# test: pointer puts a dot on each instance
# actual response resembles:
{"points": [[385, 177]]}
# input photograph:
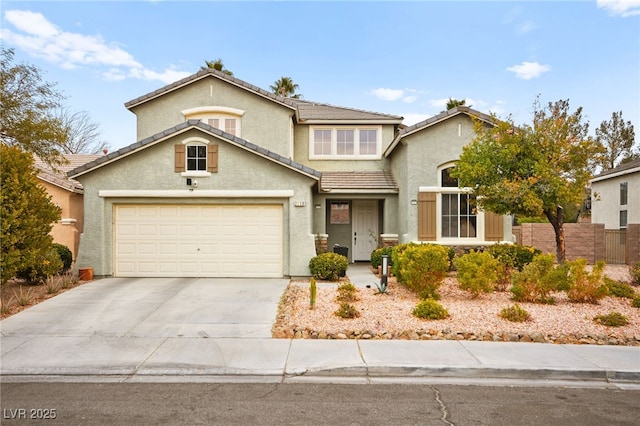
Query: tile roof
{"points": [[184, 126], [621, 169], [359, 181], [305, 110], [58, 177]]}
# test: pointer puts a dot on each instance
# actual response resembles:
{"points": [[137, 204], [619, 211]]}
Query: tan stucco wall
{"points": [[66, 231]]}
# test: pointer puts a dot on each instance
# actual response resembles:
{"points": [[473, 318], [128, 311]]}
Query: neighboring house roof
{"points": [[358, 181], [305, 111], [623, 169], [431, 121], [58, 177], [182, 127]]}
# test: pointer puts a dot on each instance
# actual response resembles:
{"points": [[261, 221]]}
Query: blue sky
{"points": [[404, 58]]}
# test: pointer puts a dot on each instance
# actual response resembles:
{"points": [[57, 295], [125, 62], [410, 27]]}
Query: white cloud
{"points": [[409, 99], [529, 70], [413, 118], [41, 38], [388, 94], [624, 8]]}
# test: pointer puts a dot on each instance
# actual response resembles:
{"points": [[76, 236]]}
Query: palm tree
{"points": [[286, 88], [452, 103], [217, 65]]}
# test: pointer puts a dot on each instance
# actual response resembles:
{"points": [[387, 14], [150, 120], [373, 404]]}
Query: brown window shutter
{"points": [[427, 215], [179, 158], [493, 226], [212, 158]]}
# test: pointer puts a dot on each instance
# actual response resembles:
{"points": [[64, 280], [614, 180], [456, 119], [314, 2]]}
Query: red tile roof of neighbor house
{"points": [[59, 177], [358, 181]]}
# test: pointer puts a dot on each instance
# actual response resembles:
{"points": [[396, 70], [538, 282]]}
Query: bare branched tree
{"points": [[82, 134]]}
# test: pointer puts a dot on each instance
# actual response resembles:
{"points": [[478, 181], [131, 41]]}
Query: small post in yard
{"points": [[384, 273]]}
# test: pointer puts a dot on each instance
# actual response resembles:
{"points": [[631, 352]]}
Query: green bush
{"points": [[65, 255], [636, 301], [396, 253], [584, 286], [347, 292], [634, 271], [44, 266], [328, 266], [477, 272], [376, 256], [513, 255], [537, 280], [613, 319], [619, 288], [430, 309], [423, 268], [347, 311], [515, 313]]}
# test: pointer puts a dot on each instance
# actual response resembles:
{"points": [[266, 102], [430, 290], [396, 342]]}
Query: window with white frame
{"points": [[223, 118], [346, 142], [196, 157], [458, 216]]}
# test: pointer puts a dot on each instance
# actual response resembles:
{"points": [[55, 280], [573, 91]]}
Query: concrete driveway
{"points": [[156, 307]]}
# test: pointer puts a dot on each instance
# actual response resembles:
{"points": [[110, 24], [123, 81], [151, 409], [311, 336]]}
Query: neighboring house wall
{"points": [[263, 121], [67, 230], [606, 203]]}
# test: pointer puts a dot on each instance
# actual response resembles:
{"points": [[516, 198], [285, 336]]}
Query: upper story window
{"points": [[223, 118], [345, 142], [624, 188]]}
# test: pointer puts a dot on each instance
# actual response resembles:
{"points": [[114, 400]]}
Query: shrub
{"points": [[396, 252], [328, 266], [44, 266], [477, 272], [514, 255], [634, 271], [430, 309], [65, 256], [636, 301], [619, 288], [347, 311], [586, 287], [515, 314], [376, 256], [347, 292], [614, 319], [423, 268], [537, 280]]}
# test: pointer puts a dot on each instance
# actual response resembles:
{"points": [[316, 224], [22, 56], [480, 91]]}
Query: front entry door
{"points": [[365, 229]]}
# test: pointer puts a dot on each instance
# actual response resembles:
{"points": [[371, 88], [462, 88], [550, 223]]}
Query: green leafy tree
{"points": [[531, 170], [27, 214], [217, 65], [617, 138], [28, 110], [286, 88]]}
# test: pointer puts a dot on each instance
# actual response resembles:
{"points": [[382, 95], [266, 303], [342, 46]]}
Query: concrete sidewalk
{"points": [[173, 330]]}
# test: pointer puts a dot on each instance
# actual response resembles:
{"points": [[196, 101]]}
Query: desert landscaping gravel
{"points": [[389, 316]]}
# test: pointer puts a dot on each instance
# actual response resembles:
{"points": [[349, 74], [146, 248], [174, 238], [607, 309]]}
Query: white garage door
{"points": [[198, 241]]}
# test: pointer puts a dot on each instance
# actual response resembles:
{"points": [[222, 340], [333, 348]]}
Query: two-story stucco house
{"points": [[229, 180], [615, 196]]}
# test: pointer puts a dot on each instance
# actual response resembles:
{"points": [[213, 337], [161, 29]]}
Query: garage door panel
{"points": [[207, 241]]}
